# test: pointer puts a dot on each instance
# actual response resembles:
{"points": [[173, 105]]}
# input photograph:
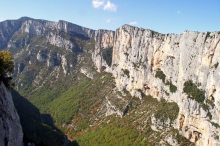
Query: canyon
{"points": [[143, 63]]}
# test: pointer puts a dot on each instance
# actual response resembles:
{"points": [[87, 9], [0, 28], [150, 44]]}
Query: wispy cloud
{"points": [[178, 12], [105, 5], [108, 21], [133, 23], [110, 6], [97, 3]]}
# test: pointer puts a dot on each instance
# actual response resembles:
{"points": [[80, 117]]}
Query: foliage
{"points": [[126, 72], [215, 124], [167, 94], [167, 110], [6, 62], [210, 102], [160, 75], [123, 131], [208, 34], [107, 55], [82, 96], [204, 106], [173, 88], [216, 65], [193, 92], [112, 134]]}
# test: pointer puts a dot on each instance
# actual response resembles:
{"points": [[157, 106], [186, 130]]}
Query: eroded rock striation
{"points": [[10, 128]]}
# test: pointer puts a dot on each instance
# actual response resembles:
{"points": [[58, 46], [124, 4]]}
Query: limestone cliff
{"points": [[139, 53], [10, 128]]}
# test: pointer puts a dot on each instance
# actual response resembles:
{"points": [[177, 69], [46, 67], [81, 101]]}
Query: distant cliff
{"points": [[10, 128], [169, 66]]}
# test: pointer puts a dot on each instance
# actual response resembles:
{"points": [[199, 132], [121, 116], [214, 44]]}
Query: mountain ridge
{"points": [[143, 62]]}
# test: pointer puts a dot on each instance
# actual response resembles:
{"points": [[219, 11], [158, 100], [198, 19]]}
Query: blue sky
{"points": [[164, 16]]}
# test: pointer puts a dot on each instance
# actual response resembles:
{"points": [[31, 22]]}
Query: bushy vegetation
{"points": [[172, 87], [204, 106], [6, 66], [123, 131], [77, 97], [210, 102], [160, 75], [167, 110], [193, 91], [126, 72], [216, 65], [6, 62], [110, 134], [107, 55]]}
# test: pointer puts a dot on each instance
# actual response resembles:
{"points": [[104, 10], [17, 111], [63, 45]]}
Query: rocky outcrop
{"points": [[6, 34], [139, 53], [49, 29], [10, 128], [86, 72]]}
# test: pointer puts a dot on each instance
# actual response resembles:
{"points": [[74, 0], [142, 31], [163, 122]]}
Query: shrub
{"points": [[160, 75], [215, 124], [216, 65], [6, 66], [209, 102], [193, 92], [126, 72], [167, 110], [6, 62], [173, 88], [204, 106]]}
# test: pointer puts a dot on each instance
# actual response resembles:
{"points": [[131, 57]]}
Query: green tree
{"points": [[6, 62]]}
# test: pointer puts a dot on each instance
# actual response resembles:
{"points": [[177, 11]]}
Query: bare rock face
{"points": [[10, 128], [139, 53], [86, 72], [104, 39]]}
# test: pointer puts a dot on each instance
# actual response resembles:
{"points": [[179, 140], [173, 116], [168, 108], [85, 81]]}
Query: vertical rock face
{"points": [[104, 39], [138, 54], [10, 128]]}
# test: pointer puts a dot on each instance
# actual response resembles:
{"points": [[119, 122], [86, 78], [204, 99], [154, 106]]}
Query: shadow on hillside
{"points": [[48, 120], [73, 143], [42, 134]]}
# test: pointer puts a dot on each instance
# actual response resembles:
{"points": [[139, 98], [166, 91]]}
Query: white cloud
{"points": [[108, 21], [133, 23], [105, 5], [110, 6], [178, 12], [97, 3]]}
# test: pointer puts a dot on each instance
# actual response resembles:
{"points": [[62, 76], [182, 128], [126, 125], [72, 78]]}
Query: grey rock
{"points": [[10, 128]]}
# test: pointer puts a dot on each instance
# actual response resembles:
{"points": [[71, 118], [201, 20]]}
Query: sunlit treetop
{"points": [[6, 62]]}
